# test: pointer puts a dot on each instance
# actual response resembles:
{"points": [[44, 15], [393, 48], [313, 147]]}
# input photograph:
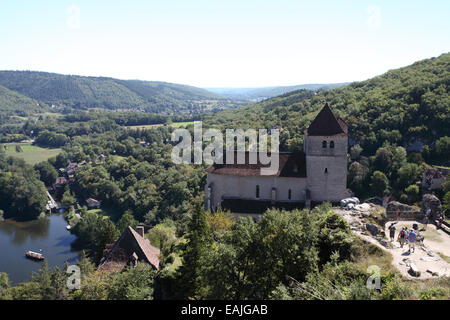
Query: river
{"points": [[48, 234]]}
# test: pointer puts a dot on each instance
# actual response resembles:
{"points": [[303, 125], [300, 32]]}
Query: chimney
{"points": [[140, 230]]}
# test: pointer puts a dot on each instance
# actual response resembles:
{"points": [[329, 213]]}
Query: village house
{"points": [[130, 248], [93, 203], [72, 167], [432, 179], [60, 182], [315, 174]]}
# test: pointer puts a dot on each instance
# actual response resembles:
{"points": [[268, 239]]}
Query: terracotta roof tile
{"points": [[291, 164], [92, 201], [434, 174], [60, 180], [128, 245]]}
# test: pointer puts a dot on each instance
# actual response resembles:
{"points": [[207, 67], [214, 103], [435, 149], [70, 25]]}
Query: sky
{"points": [[231, 43]]}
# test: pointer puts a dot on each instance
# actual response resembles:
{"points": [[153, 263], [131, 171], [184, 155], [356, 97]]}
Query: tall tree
{"points": [[47, 172], [199, 239], [379, 184], [107, 233]]}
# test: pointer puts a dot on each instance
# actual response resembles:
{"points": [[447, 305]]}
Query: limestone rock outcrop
{"points": [[405, 211], [432, 202]]}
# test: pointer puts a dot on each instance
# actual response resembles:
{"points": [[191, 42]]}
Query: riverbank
{"points": [[47, 235]]}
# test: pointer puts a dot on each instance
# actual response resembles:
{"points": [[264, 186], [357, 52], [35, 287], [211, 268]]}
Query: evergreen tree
{"points": [[85, 265], [43, 279], [58, 280], [199, 239], [125, 221], [107, 234], [380, 183], [4, 283]]}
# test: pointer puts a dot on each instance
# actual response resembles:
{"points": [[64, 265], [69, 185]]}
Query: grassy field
{"points": [[145, 126], [152, 126], [31, 154], [181, 124], [117, 158]]}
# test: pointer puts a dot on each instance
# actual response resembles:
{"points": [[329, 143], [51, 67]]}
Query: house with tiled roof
{"points": [[93, 203], [433, 178], [71, 168], [60, 182], [315, 174], [131, 248]]}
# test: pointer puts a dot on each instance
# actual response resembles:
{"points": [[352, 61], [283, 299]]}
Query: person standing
{"points": [[425, 222], [392, 231], [412, 240], [440, 219], [402, 237]]}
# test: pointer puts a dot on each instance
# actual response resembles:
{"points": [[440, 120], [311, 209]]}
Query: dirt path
{"points": [[432, 255], [431, 259]]}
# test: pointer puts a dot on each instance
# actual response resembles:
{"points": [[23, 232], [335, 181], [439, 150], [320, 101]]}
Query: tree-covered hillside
{"points": [[109, 93], [401, 106], [14, 101]]}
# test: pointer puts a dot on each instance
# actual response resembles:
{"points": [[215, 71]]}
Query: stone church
{"points": [[316, 174]]}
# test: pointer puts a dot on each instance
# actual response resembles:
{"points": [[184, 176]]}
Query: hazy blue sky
{"points": [[244, 43]]}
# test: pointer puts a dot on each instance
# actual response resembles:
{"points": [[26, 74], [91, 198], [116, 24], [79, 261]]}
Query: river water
{"points": [[47, 236]]}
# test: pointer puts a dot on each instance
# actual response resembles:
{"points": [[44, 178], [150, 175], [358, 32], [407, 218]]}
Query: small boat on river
{"points": [[34, 255]]}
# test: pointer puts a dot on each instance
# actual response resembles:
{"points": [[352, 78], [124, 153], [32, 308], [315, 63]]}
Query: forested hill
{"points": [[109, 93], [402, 105], [259, 94], [14, 101]]}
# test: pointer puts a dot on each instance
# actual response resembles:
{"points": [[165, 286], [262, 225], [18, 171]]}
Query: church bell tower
{"points": [[325, 147]]}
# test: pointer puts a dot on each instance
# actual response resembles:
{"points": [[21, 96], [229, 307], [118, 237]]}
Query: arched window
{"points": [[332, 144], [257, 191], [326, 170], [289, 194], [324, 144]]}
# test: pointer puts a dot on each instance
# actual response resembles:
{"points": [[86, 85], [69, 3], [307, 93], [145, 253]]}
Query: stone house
{"points": [[432, 179], [60, 182], [130, 248], [315, 174], [71, 168], [93, 203]]}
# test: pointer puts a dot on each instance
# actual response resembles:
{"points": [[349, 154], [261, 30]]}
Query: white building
{"points": [[316, 174]]}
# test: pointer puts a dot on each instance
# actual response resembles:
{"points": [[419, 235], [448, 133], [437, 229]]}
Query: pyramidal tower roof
{"points": [[326, 124]]}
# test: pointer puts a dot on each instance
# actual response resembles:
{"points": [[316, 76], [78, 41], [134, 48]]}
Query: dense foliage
{"points": [[22, 194], [14, 103], [286, 255]]}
